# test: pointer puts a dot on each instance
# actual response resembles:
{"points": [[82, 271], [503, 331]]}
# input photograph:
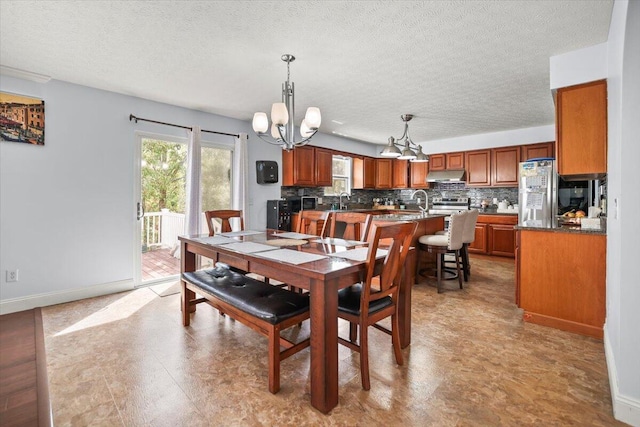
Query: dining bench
{"points": [[264, 308]]}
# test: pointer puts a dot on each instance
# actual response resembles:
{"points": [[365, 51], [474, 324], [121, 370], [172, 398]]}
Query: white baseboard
{"points": [[42, 300], [625, 409]]}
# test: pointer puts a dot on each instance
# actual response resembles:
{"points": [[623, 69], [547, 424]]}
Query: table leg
{"points": [[324, 345], [404, 298], [187, 263]]}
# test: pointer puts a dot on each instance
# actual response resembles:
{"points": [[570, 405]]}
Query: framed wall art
{"points": [[21, 119]]}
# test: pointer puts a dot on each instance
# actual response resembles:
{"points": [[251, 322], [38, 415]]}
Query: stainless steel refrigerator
{"points": [[537, 195]]}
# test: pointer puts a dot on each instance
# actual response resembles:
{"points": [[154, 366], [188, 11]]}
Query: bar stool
{"points": [[448, 243], [468, 236]]}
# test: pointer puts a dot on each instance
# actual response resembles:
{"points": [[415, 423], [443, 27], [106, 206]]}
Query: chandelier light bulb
{"points": [[274, 132], [279, 114], [304, 129], [313, 118], [260, 122]]}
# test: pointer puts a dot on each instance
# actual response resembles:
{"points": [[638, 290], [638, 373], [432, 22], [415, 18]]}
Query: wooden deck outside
{"points": [[159, 263]]}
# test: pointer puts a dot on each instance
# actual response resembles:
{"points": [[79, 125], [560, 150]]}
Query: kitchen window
{"points": [[341, 172]]}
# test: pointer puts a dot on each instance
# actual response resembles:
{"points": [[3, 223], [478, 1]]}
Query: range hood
{"points": [[446, 176]]}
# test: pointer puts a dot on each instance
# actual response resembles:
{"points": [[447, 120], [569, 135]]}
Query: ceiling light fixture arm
{"points": [[403, 147], [282, 117]]}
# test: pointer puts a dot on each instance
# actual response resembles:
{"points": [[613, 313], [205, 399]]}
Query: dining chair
{"points": [[376, 298], [441, 244], [309, 221], [357, 225], [224, 216]]}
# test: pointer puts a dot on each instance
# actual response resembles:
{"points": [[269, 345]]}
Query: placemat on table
{"points": [[286, 242]]}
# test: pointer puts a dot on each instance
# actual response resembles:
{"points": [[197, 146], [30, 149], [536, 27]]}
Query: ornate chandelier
{"points": [[282, 114], [392, 150]]}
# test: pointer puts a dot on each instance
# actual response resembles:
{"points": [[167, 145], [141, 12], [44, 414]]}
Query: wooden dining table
{"points": [[322, 278]]}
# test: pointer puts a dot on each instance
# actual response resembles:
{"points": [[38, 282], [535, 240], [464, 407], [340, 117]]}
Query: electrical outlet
{"points": [[12, 275], [319, 200]]}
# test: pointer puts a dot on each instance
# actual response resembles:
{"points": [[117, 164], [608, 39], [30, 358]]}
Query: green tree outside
{"points": [[164, 172]]}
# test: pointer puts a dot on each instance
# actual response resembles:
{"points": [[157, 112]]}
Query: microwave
{"points": [[302, 203]]}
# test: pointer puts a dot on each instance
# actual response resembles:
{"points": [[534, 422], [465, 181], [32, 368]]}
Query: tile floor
{"points": [[126, 360]]}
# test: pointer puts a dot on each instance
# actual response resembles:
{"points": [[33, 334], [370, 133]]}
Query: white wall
{"points": [[622, 339], [494, 139], [579, 66]]}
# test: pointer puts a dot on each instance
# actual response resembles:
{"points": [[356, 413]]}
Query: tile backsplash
{"points": [[364, 198]]}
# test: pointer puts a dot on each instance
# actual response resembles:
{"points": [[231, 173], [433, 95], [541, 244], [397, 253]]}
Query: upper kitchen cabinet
{"points": [[418, 174], [384, 173], [455, 161], [306, 167], [364, 172], [400, 170], [437, 162], [536, 151], [478, 168], [323, 167], [441, 162], [504, 166], [581, 126]]}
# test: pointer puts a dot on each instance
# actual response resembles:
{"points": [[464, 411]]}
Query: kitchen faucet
{"points": [[342, 205], [426, 201]]}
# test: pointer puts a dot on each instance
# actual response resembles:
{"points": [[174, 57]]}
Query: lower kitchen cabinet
{"points": [[561, 279], [495, 235], [479, 244]]}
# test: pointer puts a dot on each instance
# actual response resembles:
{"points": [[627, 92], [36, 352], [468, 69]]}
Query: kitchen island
{"points": [[560, 278]]}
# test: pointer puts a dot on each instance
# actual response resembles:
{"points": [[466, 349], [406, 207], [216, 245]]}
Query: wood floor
{"points": [[126, 360], [159, 263], [24, 398]]}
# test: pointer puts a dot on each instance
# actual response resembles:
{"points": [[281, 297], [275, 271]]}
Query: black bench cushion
{"points": [[349, 301], [259, 299]]}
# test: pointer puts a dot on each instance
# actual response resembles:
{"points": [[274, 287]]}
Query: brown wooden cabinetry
{"points": [[323, 167], [307, 166], [364, 172], [479, 244], [581, 126], [418, 174], [297, 167], [504, 166], [384, 177], [502, 240], [495, 235], [536, 151], [400, 177], [478, 168], [438, 162], [561, 280], [455, 160]]}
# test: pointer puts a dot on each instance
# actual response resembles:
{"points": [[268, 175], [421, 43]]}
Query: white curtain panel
{"points": [[193, 201], [240, 174]]}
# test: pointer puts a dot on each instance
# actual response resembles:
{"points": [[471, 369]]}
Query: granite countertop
{"points": [[496, 211], [566, 229], [406, 216]]}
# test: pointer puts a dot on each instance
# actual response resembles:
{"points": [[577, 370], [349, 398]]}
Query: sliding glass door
{"points": [[161, 172]]}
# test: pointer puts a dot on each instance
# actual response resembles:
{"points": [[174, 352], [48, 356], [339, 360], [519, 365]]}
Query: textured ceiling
{"points": [[461, 67]]}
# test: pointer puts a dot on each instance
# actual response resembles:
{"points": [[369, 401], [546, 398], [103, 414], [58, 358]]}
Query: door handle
{"points": [[140, 213]]}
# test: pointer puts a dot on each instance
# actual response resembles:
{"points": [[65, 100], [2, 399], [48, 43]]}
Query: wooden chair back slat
{"points": [[224, 216], [357, 225]]}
